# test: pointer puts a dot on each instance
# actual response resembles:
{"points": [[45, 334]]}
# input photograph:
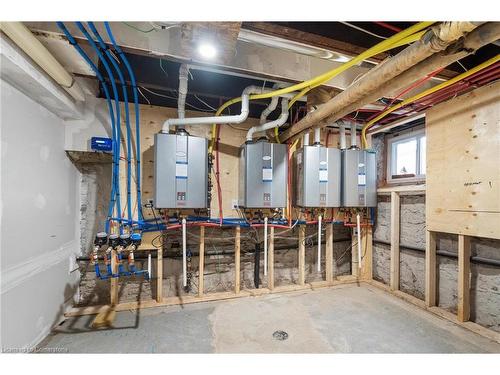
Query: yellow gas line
{"points": [[425, 93]]}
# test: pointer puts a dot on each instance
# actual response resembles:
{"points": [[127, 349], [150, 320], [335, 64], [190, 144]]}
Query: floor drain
{"points": [[280, 335]]}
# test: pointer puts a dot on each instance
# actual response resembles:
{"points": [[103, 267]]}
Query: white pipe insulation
{"points": [[183, 89], [272, 124], [25, 40], [342, 135]]}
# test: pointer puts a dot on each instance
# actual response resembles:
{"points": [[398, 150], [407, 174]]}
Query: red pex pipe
{"points": [[389, 27]]}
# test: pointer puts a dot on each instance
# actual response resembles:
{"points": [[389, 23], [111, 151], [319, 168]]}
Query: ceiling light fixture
{"points": [[207, 51]]}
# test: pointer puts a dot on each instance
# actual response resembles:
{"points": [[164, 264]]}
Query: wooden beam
{"points": [[302, 254], [463, 314], [367, 246], [395, 256], [114, 280], [329, 253], [237, 249], [430, 269], [401, 189], [201, 267], [270, 261], [159, 275]]}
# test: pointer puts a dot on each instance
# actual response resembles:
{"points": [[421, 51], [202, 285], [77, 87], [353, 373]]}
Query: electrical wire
{"points": [[139, 29], [171, 97], [426, 93], [407, 36], [363, 30]]}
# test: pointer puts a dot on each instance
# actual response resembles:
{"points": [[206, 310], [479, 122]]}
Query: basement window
{"points": [[406, 157]]}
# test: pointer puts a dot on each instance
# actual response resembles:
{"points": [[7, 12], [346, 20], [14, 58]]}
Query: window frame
{"points": [[416, 133]]}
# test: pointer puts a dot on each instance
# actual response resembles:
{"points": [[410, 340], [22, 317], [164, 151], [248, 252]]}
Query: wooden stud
{"points": [[237, 249], [395, 255], [329, 253], [201, 267], [270, 260], [159, 275], [463, 278], [114, 280], [430, 269], [367, 261], [302, 254]]}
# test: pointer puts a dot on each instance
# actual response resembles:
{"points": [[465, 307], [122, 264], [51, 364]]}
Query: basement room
{"points": [[283, 181]]}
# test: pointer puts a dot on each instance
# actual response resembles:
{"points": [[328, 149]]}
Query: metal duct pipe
{"points": [[25, 40], [353, 135], [483, 35], [342, 135], [434, 40], [272, 124]]}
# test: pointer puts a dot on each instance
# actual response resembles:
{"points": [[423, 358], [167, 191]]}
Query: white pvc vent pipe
{"points": [[358, 227], [232, 119], [317, 136], [353, 134], [265, 246], [184, 260], [319, 244], [272, 124]]}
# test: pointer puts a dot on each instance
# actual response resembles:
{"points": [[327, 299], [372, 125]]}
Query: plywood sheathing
{"points": [[463, 173]]}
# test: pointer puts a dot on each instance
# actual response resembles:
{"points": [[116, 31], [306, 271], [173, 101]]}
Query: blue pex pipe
{"points": [[82, 53], [117, 111], [127, 115], [137, 122]]}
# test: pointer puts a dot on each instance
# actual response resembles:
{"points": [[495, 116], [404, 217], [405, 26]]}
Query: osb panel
{"points": [[463, 164]]}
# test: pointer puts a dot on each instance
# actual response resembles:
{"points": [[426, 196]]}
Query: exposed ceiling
{"points": [[208, 89]]}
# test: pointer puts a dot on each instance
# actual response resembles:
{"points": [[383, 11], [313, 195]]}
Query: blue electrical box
{"points": [[101, 144]]}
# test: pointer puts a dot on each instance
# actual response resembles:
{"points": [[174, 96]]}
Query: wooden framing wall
{"points": [[464, 253]]}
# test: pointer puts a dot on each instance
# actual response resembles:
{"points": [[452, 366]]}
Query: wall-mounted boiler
{"points": [[181, 171], [317, 179], [263, 175]]}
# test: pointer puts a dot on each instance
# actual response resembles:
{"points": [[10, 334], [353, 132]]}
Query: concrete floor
{"points": [[349, 319]]}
